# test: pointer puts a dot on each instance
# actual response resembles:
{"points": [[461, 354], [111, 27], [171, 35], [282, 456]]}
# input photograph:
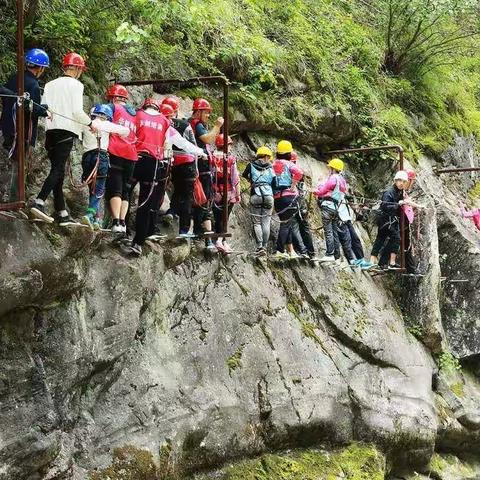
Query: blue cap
{"points": [[37, 57], [103, 109]]}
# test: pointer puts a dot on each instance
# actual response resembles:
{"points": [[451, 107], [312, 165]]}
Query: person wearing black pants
{"points": [[286, 208], [59, 144], [152, 175], [183, 178]]}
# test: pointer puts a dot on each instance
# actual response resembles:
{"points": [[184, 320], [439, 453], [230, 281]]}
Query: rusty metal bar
{"points": [[207, 79], [20, 121], [11, 206], [457, 170], [226, 126], [399, 150], [173, 81]]}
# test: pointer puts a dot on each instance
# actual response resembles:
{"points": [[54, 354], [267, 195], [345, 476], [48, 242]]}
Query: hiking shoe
{"points": [[260, 251], [136, 250], [327, 259], [38, 211]]}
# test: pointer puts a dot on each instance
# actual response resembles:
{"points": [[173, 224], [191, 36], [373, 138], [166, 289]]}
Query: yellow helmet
{"points": [[284, 146], [264, 152], [336, 164]]}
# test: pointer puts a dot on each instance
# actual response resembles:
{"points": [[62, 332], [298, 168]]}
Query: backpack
{"points": [[284, 180], [262, 181]]}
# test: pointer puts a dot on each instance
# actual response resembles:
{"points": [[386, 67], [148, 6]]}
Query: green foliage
{"points": [[234, 361], [448, 363], [289, 63], [356, 462], [416, 330]]}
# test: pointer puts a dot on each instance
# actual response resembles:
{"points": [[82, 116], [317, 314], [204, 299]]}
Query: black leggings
{"points": [[59, 144], [218, 216], [151, 195], [119, 175], [183, 177], [203, 213]]}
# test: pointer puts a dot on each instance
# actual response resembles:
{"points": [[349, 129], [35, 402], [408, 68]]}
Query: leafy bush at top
{"points": [[287, 61]]}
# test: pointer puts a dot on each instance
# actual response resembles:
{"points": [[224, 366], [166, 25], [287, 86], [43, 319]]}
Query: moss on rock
{"points": [[356, 462]]}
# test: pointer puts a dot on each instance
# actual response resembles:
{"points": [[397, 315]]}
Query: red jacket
{"points": [[123, 147]]}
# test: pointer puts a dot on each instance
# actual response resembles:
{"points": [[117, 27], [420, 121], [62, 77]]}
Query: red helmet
{"points": [[219, 140], [173, 102], [201, 104], [117, 91], [411, 174], [151, 102], [73, 60], [167, 110], [294, 156]]}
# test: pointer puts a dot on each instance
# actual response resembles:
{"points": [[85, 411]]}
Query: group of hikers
{"points": [[154, 148]]}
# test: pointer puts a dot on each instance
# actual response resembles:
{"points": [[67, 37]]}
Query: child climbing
{"points": [[123, 156], [233, 189], [473, 214], [260, 175], [331, 201], [285, 195], [388, 236], [301, 217], [202, 214], [95, 159], [64, 96]]}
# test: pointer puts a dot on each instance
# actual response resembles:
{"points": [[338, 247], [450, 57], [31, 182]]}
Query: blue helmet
{"points": [[102, 109], [37, 57]]}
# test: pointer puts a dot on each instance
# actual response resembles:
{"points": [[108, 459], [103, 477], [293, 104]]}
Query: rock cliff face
{"points": [[204, 359]]}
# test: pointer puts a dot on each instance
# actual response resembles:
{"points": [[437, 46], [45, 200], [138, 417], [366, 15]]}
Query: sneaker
{"points": [[187, 235], [209, 245], [219, 246], [136, 250], [327, 259], [117, 228], [366, 265], [38, 211], [97, 224], [281, 255], [88, 220], [227, 248], [260, 251], [357, 262], [293, 255], [65, 220], [394, 266], [156, 237], [123, 226], [167, 219]]}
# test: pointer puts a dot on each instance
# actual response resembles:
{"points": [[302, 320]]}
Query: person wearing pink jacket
{"points": [[473, 214], [285, 194], [331, 201]]}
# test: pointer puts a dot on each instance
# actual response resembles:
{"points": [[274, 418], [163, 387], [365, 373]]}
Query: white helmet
{"points": [[401, 175]]}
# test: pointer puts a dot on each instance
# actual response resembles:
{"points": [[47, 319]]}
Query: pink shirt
{"points": [[325, 189], [473, 214]]}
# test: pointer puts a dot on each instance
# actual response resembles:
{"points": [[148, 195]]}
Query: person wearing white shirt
{"points": [[64, 96]]}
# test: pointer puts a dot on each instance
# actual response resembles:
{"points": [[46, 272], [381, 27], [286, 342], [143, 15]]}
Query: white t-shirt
{"points": [[64, 96], [104, 129]]}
